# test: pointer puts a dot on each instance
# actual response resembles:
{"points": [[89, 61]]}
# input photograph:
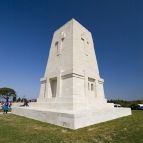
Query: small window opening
{"points": [[92, 87]]}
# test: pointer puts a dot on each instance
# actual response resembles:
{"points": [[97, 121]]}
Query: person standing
{"points": [[6, 106]]}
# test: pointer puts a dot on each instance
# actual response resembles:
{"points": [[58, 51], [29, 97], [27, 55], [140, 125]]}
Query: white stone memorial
{"points": [[72, 93]]}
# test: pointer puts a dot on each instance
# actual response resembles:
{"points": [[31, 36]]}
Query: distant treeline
{"points": [[132, 104]]}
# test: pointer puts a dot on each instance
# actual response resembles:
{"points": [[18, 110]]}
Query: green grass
{"points": [[17, 129], [9, 110]]}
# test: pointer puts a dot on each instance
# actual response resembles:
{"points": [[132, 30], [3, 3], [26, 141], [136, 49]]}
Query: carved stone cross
{"points": [[59, 43], [85, 39]]}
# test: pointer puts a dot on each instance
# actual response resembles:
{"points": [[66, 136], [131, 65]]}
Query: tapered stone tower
{"points": [[72, 74], [71, 93]]}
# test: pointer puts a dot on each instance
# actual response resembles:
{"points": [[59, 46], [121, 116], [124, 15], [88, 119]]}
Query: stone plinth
{"points": [[71, 118]]}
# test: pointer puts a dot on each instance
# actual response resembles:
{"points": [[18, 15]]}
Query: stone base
{"points": [[72, 119], [67, 103]]}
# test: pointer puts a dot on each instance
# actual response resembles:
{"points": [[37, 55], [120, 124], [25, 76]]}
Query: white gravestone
{"points": [[72, 93]]}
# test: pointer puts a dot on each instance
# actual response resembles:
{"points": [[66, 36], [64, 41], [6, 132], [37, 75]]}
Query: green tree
{"points": [[6, 93]]}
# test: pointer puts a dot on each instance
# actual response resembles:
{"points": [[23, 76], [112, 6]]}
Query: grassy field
{"points": [[9, 110], [16, 129]]}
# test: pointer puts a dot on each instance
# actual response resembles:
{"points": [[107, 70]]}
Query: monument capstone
{"points": [[71, 92]]}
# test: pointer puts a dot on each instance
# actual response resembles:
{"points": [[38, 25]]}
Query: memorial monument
{"points": [[71, 92]]}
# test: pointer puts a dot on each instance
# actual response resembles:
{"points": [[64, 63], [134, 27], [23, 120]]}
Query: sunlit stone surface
{"points": [[72, 93]]}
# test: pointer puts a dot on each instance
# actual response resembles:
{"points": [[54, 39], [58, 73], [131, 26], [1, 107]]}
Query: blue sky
{"points": [[27, 27]]}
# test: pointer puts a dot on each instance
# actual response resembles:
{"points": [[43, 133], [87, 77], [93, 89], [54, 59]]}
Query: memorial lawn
{"points": [[17, 129], [9, 110]]}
